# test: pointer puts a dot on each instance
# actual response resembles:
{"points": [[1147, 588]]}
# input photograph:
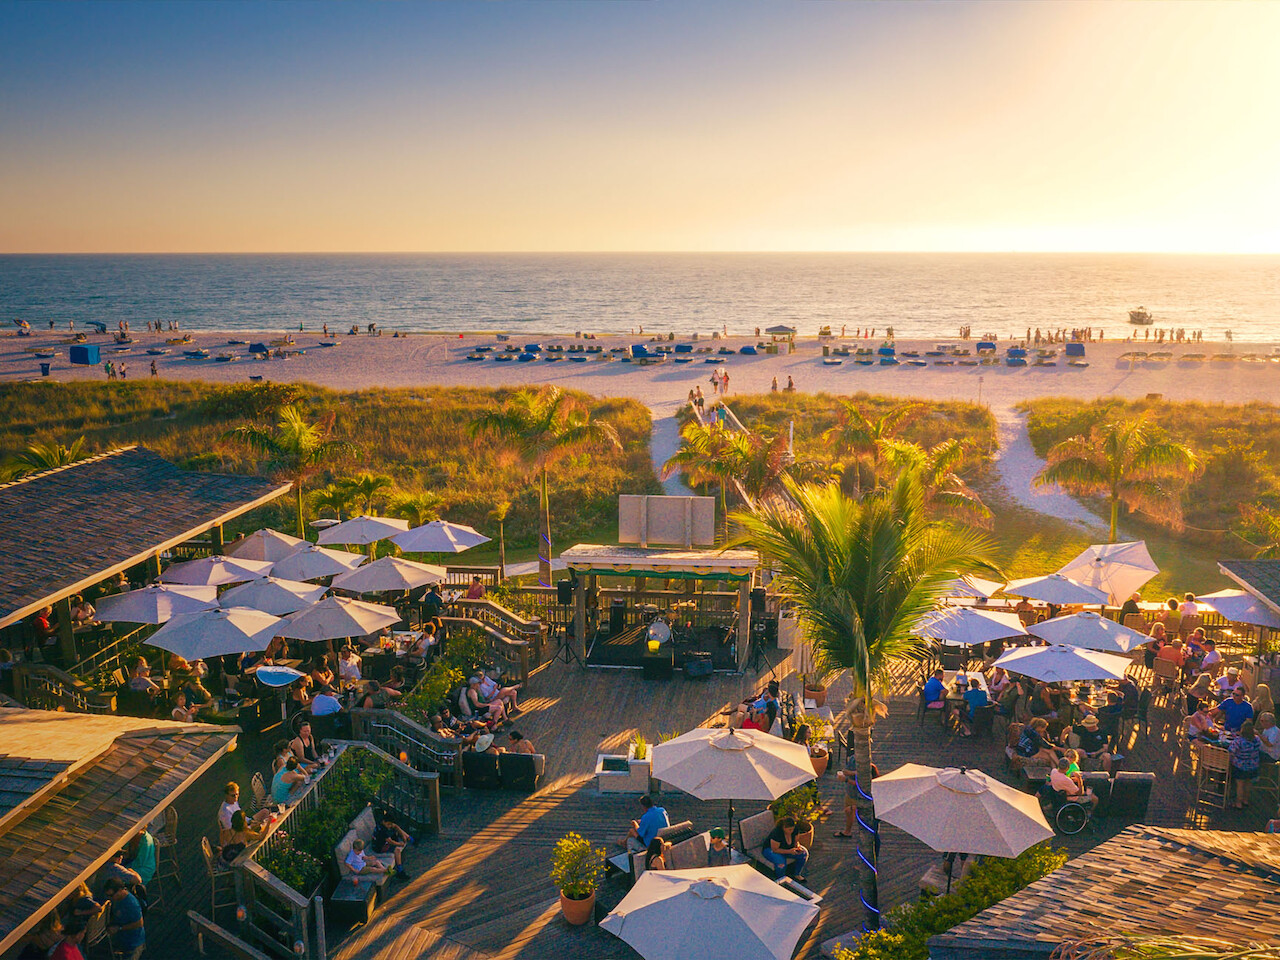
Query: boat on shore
{"points": [[1141, 316]]}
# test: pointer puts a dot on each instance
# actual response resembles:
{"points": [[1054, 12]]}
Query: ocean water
{"points": [[919, 295]]}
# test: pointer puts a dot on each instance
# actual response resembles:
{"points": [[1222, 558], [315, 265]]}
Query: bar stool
{"points": [[166, 839]]}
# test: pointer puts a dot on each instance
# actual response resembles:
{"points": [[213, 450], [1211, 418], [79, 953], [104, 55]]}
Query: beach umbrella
{"points": [[277, 676], [156, 603], [213, 633], [311, 562], [957, 810], [439, 536], [1056, 589], [1059, 664], [215, 571], [1240, 607], [1089, 630], [336, 617], [965, 626], [363, 530], [972, 588], [389, 573], [273, 595], [1118, 569], [780, 330], [265, 544], [710, 913]]}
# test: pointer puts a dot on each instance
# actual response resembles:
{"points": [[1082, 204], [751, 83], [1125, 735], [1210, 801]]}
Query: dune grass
{"points": [[417, 436]]}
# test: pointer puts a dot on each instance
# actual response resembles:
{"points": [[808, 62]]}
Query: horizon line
{"points": [[582, 253]]}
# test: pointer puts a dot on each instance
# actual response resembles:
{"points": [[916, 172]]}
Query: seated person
{"points": [[242, 833], [277, 651], [1229, 681], [1269, 735], [325, 703], [1043, 701], [975, 697], [389, 839], [462, 724], [1201, 692], [300, 694], [476, 590], [654, 855], [321, 672], [192, 682], [230, 807], [519, 744], [1033, 745], [420, 649], [1067, 787], [642, 832], [394, 685], [455, 734], [140, 856], [935, 690], [1200, 725], [288, 782], [481, 706], [349, 666], [719, 853], [140, 679], [181, 712], [82, 611], [783, 851], [999, 682], [1211, 662], [764, 722], [304, 747], [1090, 740], [1129, 693], [373, 698], [1109, 715], [484, 744], [490, 691], [1172, 652], [1233, 712], [360, 864]]}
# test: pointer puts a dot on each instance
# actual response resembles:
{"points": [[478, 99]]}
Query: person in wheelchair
{"points": [[1069, 789]]}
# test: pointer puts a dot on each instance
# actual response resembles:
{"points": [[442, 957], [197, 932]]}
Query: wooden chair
{"points": [[221, 880], [1213, 776], [1187, 625], [1268, 782], [95, 932], [167, 849], [1168, 678], [1136, 621], [924, 711]]}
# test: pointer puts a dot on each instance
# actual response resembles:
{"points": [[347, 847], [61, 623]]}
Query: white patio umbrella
{"points": [[1239, 607], [972, 588], [965, 626], [213, 633], [363, 530], [215, 571], [1089, 630], [959, 810], [439, 536], [709, 914], [312, 562], [273, 676], [156, 603], [1118, 569], [389, 573], [336, 617], [273, 595], [1056, 589], [1059, 664], [265, 544]]}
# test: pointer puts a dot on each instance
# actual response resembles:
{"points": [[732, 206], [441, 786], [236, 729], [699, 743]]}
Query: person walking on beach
{"points": [[724, 384], [715, 383], [773, 388], [106, 368], [124, 371], [698, 398], [153, 369]]}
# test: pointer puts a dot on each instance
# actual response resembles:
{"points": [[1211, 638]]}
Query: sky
{"points": [[639, 125]]}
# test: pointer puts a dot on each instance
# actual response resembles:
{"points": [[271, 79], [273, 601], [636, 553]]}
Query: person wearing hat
{"points": [[1229, 681], [484, 744], [719, 854], [1086, 737]]}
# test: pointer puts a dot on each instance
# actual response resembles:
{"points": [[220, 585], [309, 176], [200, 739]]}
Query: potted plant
{"points": [[819, 755], [576, 869], [815, 689]]}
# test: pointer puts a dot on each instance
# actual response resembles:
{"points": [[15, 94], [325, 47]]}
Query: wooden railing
{"points": [[397, 734], [460, 575], [44, 687], [108, 656]]}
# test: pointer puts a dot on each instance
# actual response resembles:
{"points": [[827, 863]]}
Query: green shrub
{"points": [[576, 866], [802, 803], [252, 401], [466, 653]]}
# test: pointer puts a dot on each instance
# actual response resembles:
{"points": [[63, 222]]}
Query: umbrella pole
{"points": [[731, 824]]}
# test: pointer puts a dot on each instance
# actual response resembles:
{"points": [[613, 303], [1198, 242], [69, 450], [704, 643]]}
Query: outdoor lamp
{"points": [[653, 646], [298, 947], [241, 913]]}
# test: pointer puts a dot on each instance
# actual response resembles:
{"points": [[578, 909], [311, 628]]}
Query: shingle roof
{"points": [[21, 778], [1145, 881], [1259, 577], [64, 529]]}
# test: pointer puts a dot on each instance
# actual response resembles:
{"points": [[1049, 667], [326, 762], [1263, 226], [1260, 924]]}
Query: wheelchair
{"points": [[1068, 816]]}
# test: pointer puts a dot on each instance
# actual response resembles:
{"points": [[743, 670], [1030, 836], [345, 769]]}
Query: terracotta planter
{"points": [[820, 763], [578, 912], [817, 694]]}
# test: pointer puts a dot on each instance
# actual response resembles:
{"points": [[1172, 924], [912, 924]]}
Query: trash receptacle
{"points": [[44, 369], [826, 350]]}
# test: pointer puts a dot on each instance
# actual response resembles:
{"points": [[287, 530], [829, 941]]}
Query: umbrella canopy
{"points": [[709, 914], [439, 536], [1055, 589], [277, 676], [1089, 630], [1118, 569], [964, 626], [336, 617], [213, 633], [273, 595], [1241, 607], [1061, 664], [265, 544], [779, 329], [959, 810], [215, 571], [389, 573], [156, 603], [970, 587], [720, 763], [363, 530], [311, 562]]}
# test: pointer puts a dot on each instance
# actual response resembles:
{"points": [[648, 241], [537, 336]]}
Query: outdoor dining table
{"points": [[250, 671]]}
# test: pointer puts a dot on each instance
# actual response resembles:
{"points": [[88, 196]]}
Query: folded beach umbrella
{"points": [[1090, 631], [273, 595], [1118, 569], [215, 571], [439, 536], [213, 633], [970, 587], [265, 544], [389, 573], [1056, 589], [710, 913], [965, 626], [1059, 664], [336, 617], [311, 562], [156, 603], [1239, 607], [363, 530], [957, 810]]}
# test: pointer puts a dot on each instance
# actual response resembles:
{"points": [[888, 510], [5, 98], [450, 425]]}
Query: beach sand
{"points": [[439, 360]]}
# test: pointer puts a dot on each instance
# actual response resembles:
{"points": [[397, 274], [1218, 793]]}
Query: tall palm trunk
{"points": [[297, 489], [1115, 516], [866, 819], [502, 551], [724, 509], [544, 536]]}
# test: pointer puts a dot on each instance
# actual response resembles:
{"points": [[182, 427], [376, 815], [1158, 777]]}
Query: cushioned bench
{"points": [[362, 828], [752, 832], [490, 771], [684, 849]]}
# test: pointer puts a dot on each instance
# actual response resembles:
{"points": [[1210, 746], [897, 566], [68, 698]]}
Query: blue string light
{"points": [[871, 829]]}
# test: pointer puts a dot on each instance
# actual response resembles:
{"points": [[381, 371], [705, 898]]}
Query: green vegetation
{"points": [[464, 656], [1122, 947], [415, 436], [576, 866]]}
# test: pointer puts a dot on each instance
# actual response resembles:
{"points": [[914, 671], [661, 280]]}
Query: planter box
{"points": [[622, 773]]}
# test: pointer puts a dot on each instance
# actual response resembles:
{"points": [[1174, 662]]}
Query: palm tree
{"points": [[542, 427], [366, 487], [417, 508], [862, 574], [499, 516], [1129, 462], [39, 457], [337, 497], [945, 492], [708, 454], [861, 436], [295, 450]]}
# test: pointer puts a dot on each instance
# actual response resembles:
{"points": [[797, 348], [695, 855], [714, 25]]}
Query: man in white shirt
{"points": [[1188, 607], [349, 666], [1229, 681], [1212, 660]]}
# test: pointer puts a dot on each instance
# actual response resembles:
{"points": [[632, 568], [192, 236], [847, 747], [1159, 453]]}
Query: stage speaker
{"points": [[697, 665], [757, 601], [1130, 795], [617, 616], [564, 592]]}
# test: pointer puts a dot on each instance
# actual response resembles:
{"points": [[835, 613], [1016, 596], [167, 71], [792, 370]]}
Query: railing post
{"points": [[322, 948]]}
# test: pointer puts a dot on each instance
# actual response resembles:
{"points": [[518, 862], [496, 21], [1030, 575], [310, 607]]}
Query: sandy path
{"points": [[1017, 464]]}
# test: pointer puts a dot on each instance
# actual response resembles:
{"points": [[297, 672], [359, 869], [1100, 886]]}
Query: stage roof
{"points": [[677, 564]]}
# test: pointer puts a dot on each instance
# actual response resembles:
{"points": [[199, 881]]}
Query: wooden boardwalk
{"points": [[481, 888]]}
